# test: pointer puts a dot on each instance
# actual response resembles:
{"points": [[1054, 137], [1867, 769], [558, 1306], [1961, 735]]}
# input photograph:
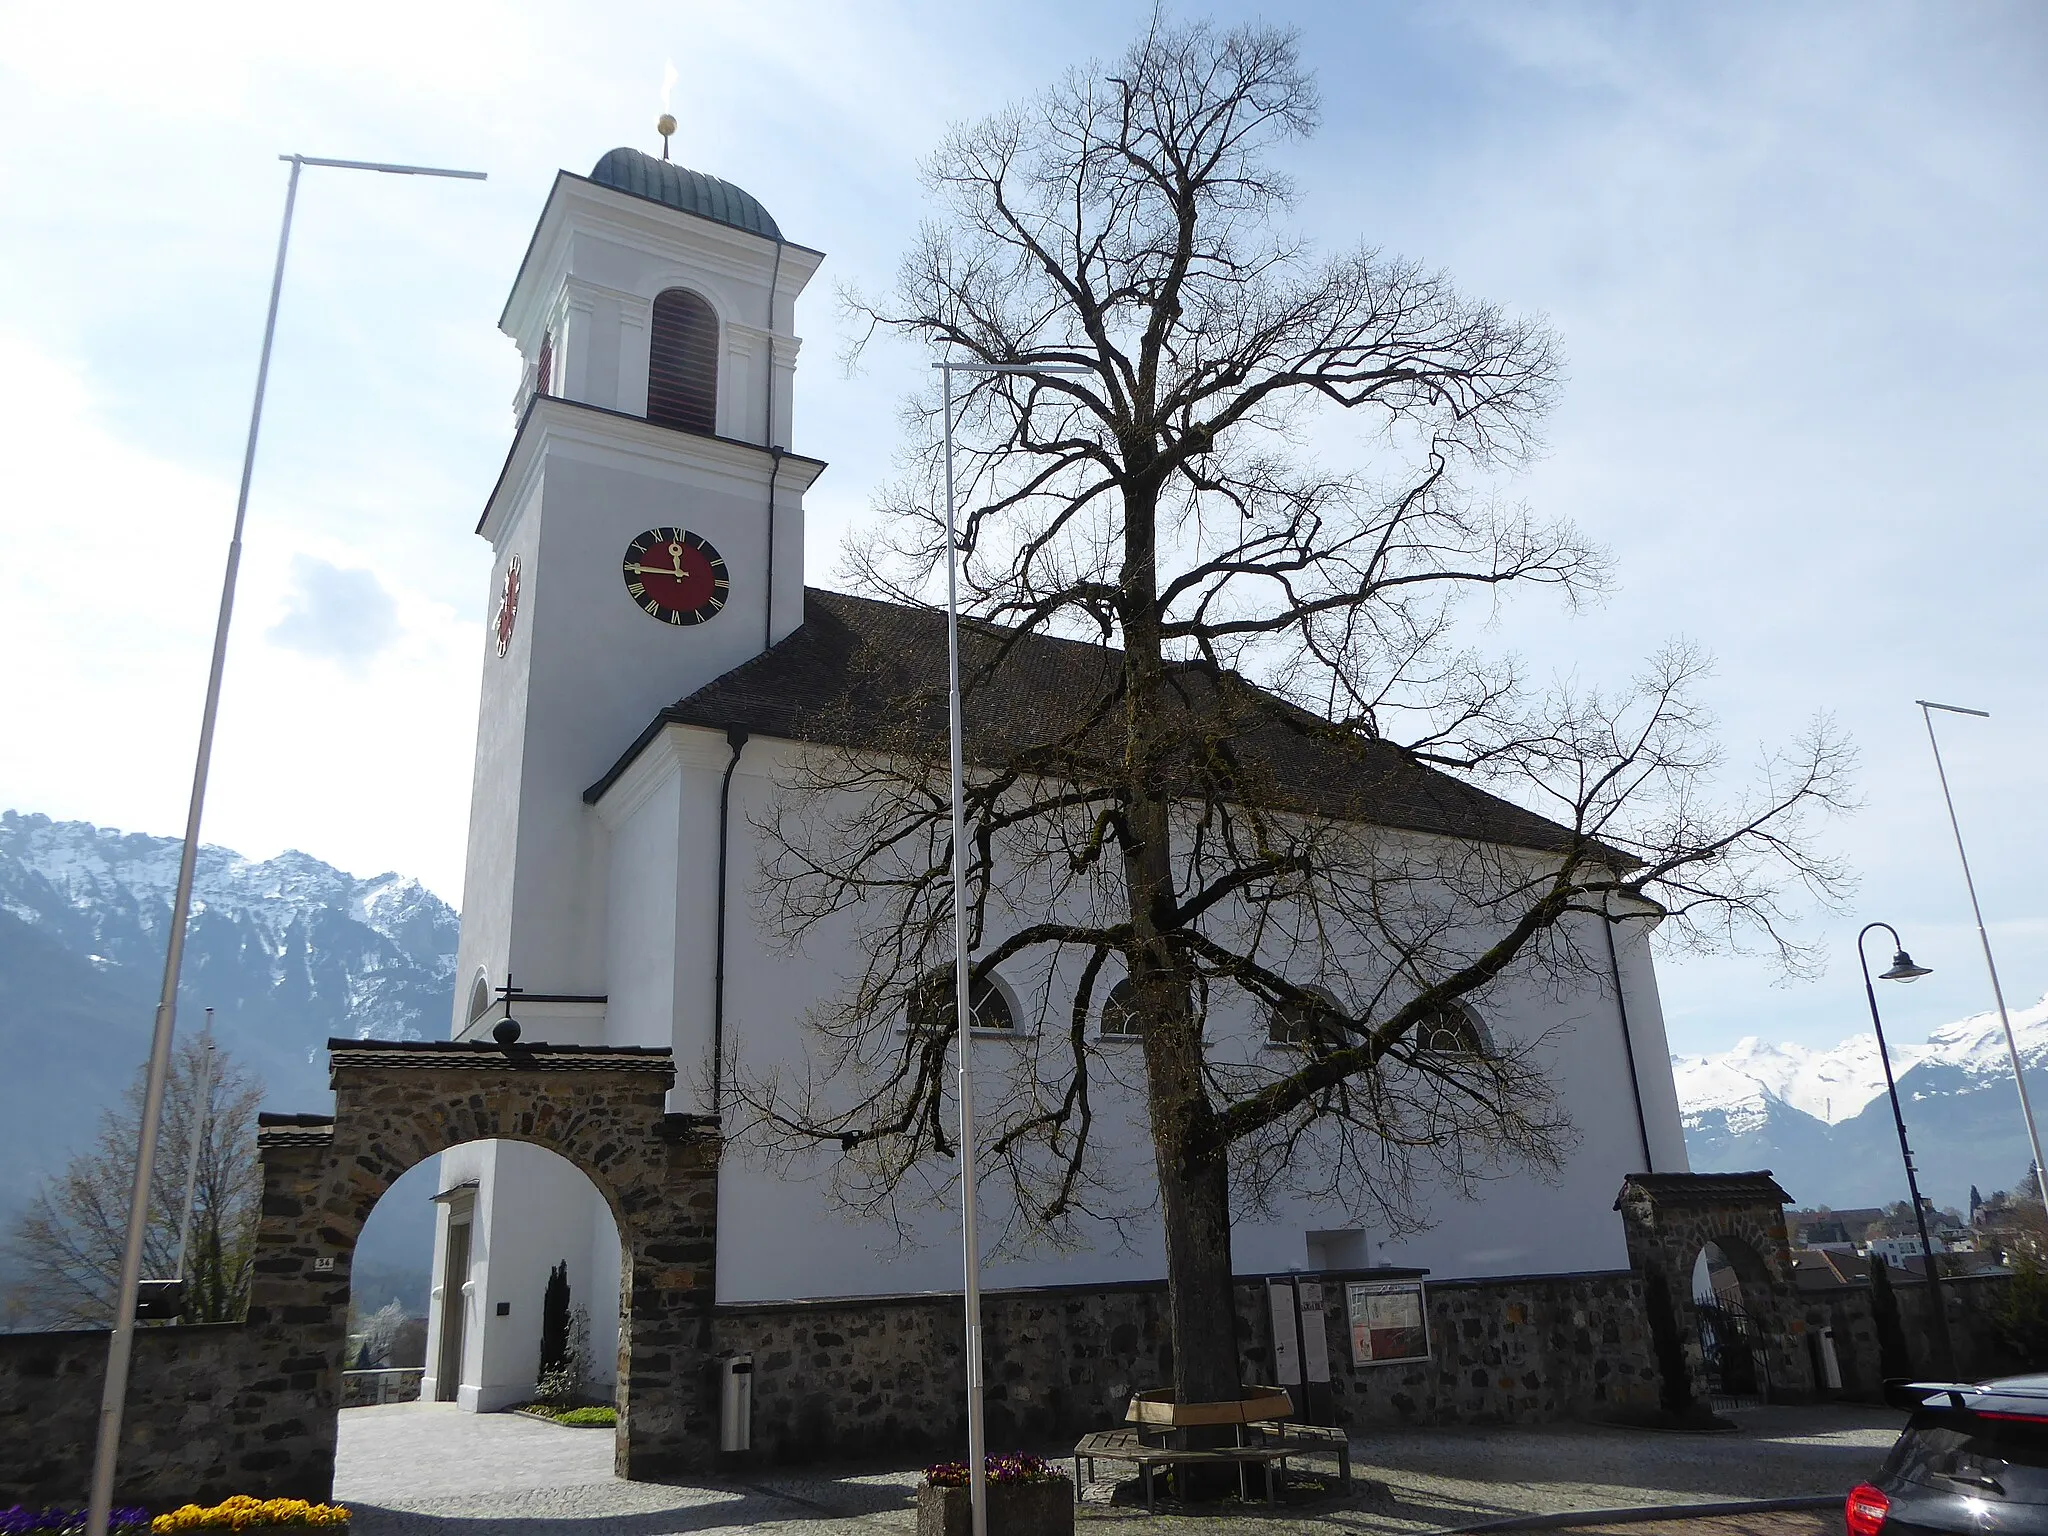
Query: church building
{"points": [[654, 663]]}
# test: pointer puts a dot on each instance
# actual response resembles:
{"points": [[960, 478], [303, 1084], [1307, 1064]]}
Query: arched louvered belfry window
{"points": [[682, 363]]}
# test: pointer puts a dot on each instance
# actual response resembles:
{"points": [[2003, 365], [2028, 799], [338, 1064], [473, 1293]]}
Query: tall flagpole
{"points": [[970, 1255], [2012, 1046], [970, 1245], [121, 1345]]}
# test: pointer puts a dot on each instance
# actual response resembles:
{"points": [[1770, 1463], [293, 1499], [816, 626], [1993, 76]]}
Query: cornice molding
{"points": [[597, 433], [577, 203], [677, 750]]}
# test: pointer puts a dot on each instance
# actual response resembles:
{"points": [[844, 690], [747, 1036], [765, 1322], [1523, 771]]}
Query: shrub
{"points": [[2022, 1315], [586, 1417], [1013, 1467]]}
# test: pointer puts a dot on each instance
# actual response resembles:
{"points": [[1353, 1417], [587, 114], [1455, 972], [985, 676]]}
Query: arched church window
{"points": [[931, 1005], [479, 996], [1451, 1031], [1120, 1010], [1304, 1021], [682, 363]]}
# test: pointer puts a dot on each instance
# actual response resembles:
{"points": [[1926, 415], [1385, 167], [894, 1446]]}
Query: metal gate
{"points": [[1735, 1362]]}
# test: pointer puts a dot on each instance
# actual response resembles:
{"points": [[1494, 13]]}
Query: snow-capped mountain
{"points": [[286, 951], [1820, 1120], [1834, 1085]]}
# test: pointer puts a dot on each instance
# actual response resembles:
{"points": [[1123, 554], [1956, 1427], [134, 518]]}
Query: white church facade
{"points": [[652, 659]]}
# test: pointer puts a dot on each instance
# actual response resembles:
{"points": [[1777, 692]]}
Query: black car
{"points": [[1973, 1458]]}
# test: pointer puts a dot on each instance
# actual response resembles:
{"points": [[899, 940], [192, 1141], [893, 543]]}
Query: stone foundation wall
{"points": [[213, 1409], [1972, 1304], [885, 1376]]}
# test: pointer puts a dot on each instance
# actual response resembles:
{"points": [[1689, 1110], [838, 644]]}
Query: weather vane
{"points": [[664, 125]]}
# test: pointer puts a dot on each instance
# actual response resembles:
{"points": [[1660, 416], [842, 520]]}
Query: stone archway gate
{"points": [[253, 1407], [1669, 1218]]}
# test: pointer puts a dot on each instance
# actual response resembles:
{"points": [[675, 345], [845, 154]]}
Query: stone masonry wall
{"points": [[252, 1407], [1973, 1301], [885, 1376], [208, 1407]]}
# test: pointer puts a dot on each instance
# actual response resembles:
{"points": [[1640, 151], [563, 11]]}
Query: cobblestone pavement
{"points": [[1804, 1522], [417, 1469]]}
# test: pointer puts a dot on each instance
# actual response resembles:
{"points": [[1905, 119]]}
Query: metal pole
{"points": [[977, 1456], [202, 1111], [970, 1248], [121, 1345], [2012, 1048], [1946, 1364]]}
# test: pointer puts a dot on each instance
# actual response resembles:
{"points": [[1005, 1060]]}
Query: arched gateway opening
{"points": [[600, 1109], [1719, 1241]]}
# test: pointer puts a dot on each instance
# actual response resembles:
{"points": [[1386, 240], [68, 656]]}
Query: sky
{"points": [[1795, 256]]}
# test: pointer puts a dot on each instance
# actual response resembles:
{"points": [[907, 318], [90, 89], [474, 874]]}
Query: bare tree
{"points": [[67, 1245], [1224, 740]]}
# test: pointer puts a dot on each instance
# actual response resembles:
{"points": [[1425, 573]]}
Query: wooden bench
{"points": [[1310, 1437], [1128, 1445]]}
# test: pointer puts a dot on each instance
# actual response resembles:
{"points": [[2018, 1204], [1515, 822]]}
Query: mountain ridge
{"points": [[1821, 1121]]}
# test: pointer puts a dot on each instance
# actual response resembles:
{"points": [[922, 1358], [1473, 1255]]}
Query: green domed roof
{"points": [[662, 181]]}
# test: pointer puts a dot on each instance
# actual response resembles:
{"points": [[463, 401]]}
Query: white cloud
{"points": [[343, 615]]}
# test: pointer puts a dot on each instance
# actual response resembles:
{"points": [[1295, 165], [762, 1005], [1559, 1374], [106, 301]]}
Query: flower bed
{"points": [[243, 1513], [58, 1520], [240, 1513]]}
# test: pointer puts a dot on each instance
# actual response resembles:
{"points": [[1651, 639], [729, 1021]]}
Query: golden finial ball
{"points": [[665, 125]]}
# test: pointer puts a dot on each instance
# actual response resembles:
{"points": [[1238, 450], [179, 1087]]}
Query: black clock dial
{"points": [[675, 576]]}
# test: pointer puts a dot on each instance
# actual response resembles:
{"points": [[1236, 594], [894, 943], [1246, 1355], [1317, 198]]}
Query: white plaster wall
{"points": [[586, 670], [498, 778], [783, 1235], [612, 254], [534, 1209], [1653, 1048]]}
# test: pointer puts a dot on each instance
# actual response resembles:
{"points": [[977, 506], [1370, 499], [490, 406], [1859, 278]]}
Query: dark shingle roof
{"points": [[1705, 1188], [865, 674], [661, 181], [469, 1055]]}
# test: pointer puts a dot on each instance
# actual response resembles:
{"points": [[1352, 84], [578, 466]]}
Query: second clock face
{"points": [[675, 576]]}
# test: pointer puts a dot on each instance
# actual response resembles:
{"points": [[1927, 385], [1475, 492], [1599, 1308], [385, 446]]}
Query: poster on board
{"points": [[1388, 1321]]}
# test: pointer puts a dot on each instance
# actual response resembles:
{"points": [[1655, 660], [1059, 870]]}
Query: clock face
{"points": [[508, 606], [675, 576]]}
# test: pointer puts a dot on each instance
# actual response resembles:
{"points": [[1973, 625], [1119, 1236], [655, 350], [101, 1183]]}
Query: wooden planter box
{"points": [[1041, 1508]]}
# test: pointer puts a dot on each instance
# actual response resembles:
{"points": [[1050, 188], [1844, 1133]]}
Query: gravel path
{"points": [[414, 1469]]}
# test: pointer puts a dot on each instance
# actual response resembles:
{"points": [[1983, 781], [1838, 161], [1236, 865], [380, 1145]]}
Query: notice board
{"points": [[1389, 1321]]}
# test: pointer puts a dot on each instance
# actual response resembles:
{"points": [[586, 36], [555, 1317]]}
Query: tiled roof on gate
{"points": [[275, 1130], [472, 1055], [860, 673], [1705, 1188]]}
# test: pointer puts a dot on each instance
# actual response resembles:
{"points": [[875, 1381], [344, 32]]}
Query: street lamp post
{"points": [[970, 1247], [120, 1346], [2012, 1048], [1903, 969]]}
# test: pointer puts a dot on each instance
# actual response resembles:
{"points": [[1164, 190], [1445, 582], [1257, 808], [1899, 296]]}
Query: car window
{"points": [[1988, 1458]]}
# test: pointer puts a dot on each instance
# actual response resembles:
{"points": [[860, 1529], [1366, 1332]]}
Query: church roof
{"points": [[661, 181], [872, 675]]}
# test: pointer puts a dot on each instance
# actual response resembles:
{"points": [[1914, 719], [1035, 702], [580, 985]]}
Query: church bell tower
{"points": [[647, 534]]}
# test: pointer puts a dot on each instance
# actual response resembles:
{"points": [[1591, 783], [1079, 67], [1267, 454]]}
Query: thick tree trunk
{"points": [[1193, 1170]]}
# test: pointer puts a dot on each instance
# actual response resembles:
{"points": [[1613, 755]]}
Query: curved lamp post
{"points": [[121, 1342], [1903, 969]]}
